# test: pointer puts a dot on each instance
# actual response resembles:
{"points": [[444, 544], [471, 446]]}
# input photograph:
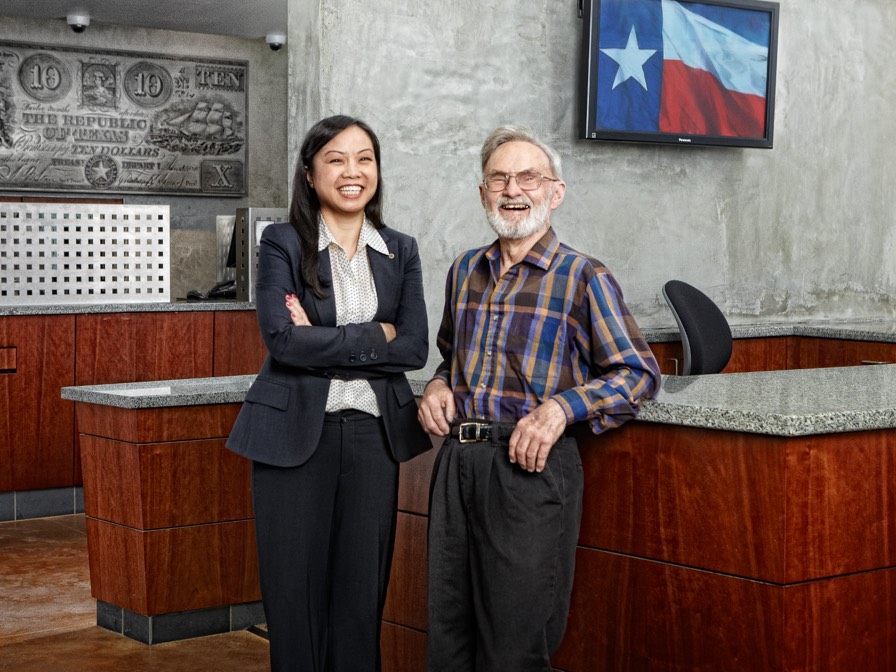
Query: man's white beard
{"points": [[537, 219]]}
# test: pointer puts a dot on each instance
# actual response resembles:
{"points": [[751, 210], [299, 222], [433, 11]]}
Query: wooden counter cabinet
{"points": [[780, 353], [709, 550], [36, 425], [239, 348], [131, 347], [706, 550], [742, 522], [170, 529], [39, 354]]}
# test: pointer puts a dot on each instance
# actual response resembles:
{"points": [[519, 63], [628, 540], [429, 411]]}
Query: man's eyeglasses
{"points": [[528, 180]]}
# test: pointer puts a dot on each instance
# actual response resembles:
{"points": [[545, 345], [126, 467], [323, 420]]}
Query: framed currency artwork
{"points": [[121, 122]]}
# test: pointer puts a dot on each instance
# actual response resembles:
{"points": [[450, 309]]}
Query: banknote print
{"points": [[121, 122]]}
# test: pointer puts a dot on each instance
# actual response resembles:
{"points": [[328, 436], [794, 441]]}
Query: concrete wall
{"points": [[193, 219], [804, 230]]}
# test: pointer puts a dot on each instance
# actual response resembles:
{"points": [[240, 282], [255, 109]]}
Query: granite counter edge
{"points": [[185, 392], [108, 308], [232, 390]]}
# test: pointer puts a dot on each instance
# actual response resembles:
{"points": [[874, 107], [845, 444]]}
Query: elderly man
{"points": [[535, 338]]}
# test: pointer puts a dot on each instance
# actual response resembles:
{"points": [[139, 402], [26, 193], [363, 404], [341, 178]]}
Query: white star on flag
{"points": [[631, 61]]}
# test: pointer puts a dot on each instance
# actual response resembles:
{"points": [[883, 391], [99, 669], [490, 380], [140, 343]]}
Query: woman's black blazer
{"points": [[281, 420]]}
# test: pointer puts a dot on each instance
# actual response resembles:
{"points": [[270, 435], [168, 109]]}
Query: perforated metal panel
{"points": [[250, 222], [68, 253]]}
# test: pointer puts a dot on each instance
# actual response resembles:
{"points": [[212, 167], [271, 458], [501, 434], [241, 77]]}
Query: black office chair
{"points": [[705, 334]]}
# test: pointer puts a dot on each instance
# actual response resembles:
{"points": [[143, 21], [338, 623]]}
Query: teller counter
{"points": [[45, 348], [743, 522]]}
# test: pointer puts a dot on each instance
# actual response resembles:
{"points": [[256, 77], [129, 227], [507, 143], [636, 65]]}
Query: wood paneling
{"points": [[630, 613], [35, 453], [148, 425], [8, 359], [201, 566], [117, 559], [810, 517], [38, 438], [158, 485], [769, 508], [669, 356], [129, 347], [606, 625], [403, 649], [747, 354], [634, 614], [761, 354], [169, 510], [841, 504], [112, 480], [826, 352], [239, 348], [778, 353], [176, 569], [413, 486], [843, 624], [700, 550], [36, 424], [136, 347], [683, 495], [406, 600]]}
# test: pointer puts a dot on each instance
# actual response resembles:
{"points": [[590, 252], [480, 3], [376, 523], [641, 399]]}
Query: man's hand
{"points": [[535, 434], [437, 409]]}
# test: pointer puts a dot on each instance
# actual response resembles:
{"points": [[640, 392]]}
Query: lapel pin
{"points": [[391, 255]]}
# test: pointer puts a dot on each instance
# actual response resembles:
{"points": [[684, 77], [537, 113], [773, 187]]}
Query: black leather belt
{"points": [[348, 415], [481, 431]]}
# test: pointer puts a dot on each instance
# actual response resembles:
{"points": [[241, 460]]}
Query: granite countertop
{"points": [[880, 330], [176, 306], [797, 402], [168, 393], [781, 403], [164, 393]]}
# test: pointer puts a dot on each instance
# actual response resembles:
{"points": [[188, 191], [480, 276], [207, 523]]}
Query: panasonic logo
{"points": [[684, 139]]}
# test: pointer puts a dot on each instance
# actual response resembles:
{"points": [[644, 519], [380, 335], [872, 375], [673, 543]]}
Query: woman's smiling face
{"points": [[344, 174]]}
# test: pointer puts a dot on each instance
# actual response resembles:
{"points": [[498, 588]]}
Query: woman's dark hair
{"points": [[304, 210]]}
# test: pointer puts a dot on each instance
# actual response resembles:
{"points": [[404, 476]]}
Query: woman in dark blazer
{"points": [[331, 414]]}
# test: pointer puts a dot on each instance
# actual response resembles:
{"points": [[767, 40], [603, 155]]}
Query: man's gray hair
{"points": [[504, 134]]}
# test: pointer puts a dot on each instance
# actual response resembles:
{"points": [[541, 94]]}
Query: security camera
{"points": [[275, 41], [78, 22]]}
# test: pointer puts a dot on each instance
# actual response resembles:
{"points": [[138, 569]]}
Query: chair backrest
{"points": [[705, 334]]}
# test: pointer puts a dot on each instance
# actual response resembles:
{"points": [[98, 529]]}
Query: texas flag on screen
{"points": [[682, 67]]}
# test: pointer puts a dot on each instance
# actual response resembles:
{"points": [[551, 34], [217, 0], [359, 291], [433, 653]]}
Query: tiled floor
{"points": [[48, 618]]}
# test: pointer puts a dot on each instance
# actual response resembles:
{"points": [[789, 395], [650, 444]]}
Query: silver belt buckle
{"points": [[461, 436]]}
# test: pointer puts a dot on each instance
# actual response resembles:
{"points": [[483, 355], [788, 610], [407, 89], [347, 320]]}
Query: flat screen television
{"points": [[679, 72]]}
